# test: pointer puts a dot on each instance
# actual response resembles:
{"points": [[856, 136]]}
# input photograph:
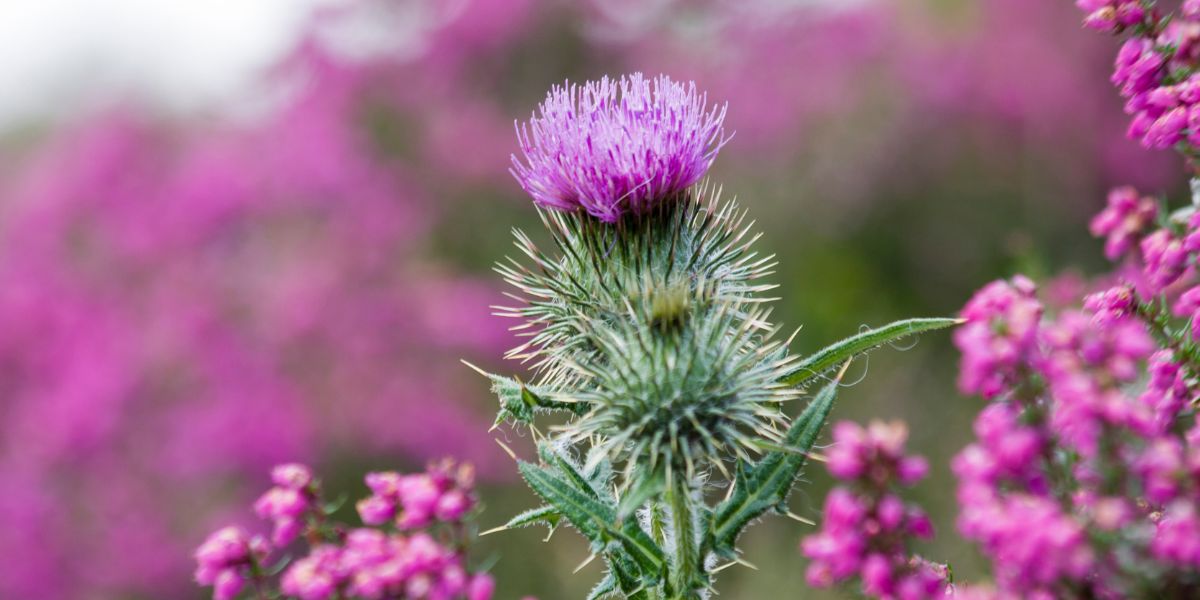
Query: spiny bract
{"points": [[654, 330]]}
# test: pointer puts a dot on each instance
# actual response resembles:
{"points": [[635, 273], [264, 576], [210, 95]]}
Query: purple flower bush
{"points": [[416, 548], [1084, 477]]}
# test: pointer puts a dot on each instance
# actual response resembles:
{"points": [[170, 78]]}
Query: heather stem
{"points": [[1159, 322], [686, 562]]}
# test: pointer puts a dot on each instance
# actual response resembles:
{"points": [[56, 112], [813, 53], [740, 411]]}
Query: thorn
{"points": [[741, 561], [793, 336], [723, 567], [511, 454], [476, 369], [842, 371], [801, 519], [494, 427], [583, 564], [817, 456], [494, 530]]}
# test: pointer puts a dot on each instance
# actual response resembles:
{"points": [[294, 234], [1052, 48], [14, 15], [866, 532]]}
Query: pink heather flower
{"points": [[443, 492], [224, 560], [1177, 535], [419, 495], [874, 454], [1188, 305], [616, 147], [376, 510], [866, 535], [1123, 220], [1193, 124], [1111, 15], [292, 476], [1184, 36], [836, 551], [383, 484], [1031, 542], [1191, 242], [1167, 392], [1111, 304], [317, 576], [1167, 130], [1011, 448], [286, 508], [999, 335], [1139, 67], [1076, 341], [452, 506], [1162, 468], [1165, 259], [228, 585], [481, 587]]}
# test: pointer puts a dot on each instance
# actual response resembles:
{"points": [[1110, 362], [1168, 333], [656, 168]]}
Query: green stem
{"points": [[1159, 321], [685, 566]]}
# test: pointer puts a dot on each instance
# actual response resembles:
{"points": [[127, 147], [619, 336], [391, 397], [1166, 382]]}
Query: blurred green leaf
{"points": [[837, 353]]}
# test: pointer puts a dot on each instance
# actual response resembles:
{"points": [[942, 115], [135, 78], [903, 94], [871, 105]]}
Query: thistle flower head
{"points": [[615, 147]]}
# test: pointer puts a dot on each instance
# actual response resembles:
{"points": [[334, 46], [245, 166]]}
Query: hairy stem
{"points": [[685, 565]]}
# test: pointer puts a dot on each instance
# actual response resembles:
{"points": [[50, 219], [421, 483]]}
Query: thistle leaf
{"points": [[765, 485], [547, 515], [606, 587], [519, 402], [839, 352], [593, 517], [646, 485]]}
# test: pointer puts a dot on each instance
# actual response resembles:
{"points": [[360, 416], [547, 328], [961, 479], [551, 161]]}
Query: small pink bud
{"points": [[293, 476], [376, 510], [482, 587]]}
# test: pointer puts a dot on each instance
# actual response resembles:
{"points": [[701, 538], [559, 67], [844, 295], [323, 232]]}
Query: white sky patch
{"points": [[62, 56]]}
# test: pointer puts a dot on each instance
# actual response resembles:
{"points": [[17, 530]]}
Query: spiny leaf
{"points": [[519, 402], [545, 514], [646, 485], [593, 517], [766, 485], [606, 587], [839, 352]]}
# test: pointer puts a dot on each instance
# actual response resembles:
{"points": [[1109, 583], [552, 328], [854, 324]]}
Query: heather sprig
{"points": [[648, 330], [413, 545], [868, 528], [1084, 477]]}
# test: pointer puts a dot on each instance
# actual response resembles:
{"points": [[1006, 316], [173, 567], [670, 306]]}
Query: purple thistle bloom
{"points": [[613, 147]]}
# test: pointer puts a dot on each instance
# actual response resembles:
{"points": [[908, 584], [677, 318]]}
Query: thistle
{"points": [[648, 325]]}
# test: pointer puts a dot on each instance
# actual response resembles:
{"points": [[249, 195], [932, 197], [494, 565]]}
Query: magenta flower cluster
{"points": [[1077, 467], [443, 493], [1083, 480], [417, 548], [867, 528], [1155, 70], [1112, 15], [228, 559], [617, 147]]}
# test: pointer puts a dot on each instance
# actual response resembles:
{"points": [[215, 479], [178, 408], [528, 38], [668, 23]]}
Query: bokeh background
{"points": [[238, 233]]}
